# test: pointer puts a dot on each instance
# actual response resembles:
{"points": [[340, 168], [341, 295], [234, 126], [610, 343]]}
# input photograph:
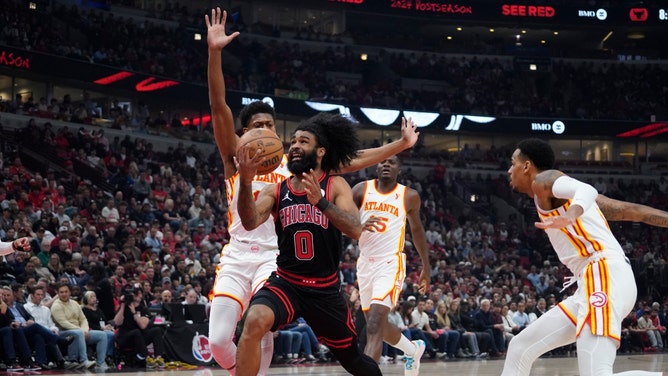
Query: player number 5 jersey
{"points": [[391, 208]]}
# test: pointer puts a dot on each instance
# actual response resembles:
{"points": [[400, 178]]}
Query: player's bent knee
{"points": [[376, 319], [374, 326], [259, 320]]}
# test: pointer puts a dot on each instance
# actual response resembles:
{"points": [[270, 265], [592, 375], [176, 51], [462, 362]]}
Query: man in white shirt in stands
{"points": [[42, 316]]}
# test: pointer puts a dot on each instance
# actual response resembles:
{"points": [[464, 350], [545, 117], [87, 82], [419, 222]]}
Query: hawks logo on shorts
{"points": [[598, 299]]}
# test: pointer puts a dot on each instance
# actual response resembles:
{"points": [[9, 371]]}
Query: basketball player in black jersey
{"points": [[311, 210]]}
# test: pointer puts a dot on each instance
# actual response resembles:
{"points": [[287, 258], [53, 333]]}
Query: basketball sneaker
{"points": [[412, 366]]}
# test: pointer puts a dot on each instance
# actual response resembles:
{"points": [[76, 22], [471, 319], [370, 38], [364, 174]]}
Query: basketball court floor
{"points": [[558, 366]]}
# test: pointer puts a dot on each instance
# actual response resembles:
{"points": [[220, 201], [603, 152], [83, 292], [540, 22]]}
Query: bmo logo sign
{"points": [[558, 127]]}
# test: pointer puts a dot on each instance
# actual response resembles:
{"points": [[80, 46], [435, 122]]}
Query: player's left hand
{"points": [[555, 222], [311, 186], [408, 132], [425, 278]]}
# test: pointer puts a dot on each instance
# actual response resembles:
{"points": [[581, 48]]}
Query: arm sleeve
{"points": [[6, 248], [583, 195]]}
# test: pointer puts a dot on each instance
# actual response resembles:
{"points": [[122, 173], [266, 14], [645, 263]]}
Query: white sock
{"points": [[267, 347], [406, 346]]}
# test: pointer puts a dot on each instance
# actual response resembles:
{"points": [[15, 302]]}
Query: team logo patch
{"points": [[201, 348], [598, 299]]}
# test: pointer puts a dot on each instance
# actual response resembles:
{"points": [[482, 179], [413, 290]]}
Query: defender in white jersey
{"points": [[250, 257], [580, 235], [381, 265]]}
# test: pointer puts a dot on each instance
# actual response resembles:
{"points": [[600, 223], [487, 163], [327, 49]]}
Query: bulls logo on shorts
{"points": [[598, 299], [201, 348]]}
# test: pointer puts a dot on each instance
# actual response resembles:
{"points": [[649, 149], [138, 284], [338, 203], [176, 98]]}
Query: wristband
{"points": [[322, 204]]}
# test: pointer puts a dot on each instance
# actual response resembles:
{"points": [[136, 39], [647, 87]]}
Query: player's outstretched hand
{"points": [[408, 132], [554, 222], [22, 244], [216, 36]]}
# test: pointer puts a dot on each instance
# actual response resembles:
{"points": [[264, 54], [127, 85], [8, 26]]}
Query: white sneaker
{"points": [[412, 366], [89, 364], [101, 368]]}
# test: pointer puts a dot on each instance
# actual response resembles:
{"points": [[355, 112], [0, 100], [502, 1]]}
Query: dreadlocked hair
{"points": [[256, 107], [337, 134]]}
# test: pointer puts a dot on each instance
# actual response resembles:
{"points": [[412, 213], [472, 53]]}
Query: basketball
{"points": [[271, 148]]}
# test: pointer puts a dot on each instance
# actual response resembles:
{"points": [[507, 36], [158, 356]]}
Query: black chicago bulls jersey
{"points": [[309, 244]]}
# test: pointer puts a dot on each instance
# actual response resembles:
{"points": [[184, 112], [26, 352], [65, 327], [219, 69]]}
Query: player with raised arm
{"points": [[579, 233], [250, 257], [18, 245]]}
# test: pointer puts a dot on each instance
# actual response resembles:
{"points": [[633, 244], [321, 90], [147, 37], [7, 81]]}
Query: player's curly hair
{"points": [[256, 107], [337, 134], [539, 152]]}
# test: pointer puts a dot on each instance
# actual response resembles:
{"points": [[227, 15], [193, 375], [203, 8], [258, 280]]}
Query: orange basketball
{"points": [[271, 148]]}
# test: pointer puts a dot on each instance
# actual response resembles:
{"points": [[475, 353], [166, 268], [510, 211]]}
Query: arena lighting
{"points": [[113, 78], [145, 85], [421, 119], [380, 116], [343, 110], [203, 120], [648, 130], [149, 85], [456, 121]]}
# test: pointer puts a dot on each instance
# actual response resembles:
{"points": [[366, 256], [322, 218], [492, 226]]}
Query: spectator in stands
{"points": [[42, 316], [286, 346], [440, 324], [132, 319], [21, 320], [417, 322], [54, 265], [98, 322], [521, 318], [485, 322], [152, 239], [102, 287], [110, 212], [70, 319], [645, 323], [469, 339], [637, 337], [12, 340]]}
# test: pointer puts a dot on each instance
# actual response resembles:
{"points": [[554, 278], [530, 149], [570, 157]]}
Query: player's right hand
{"points": [[247, 166], [371, 224]]}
